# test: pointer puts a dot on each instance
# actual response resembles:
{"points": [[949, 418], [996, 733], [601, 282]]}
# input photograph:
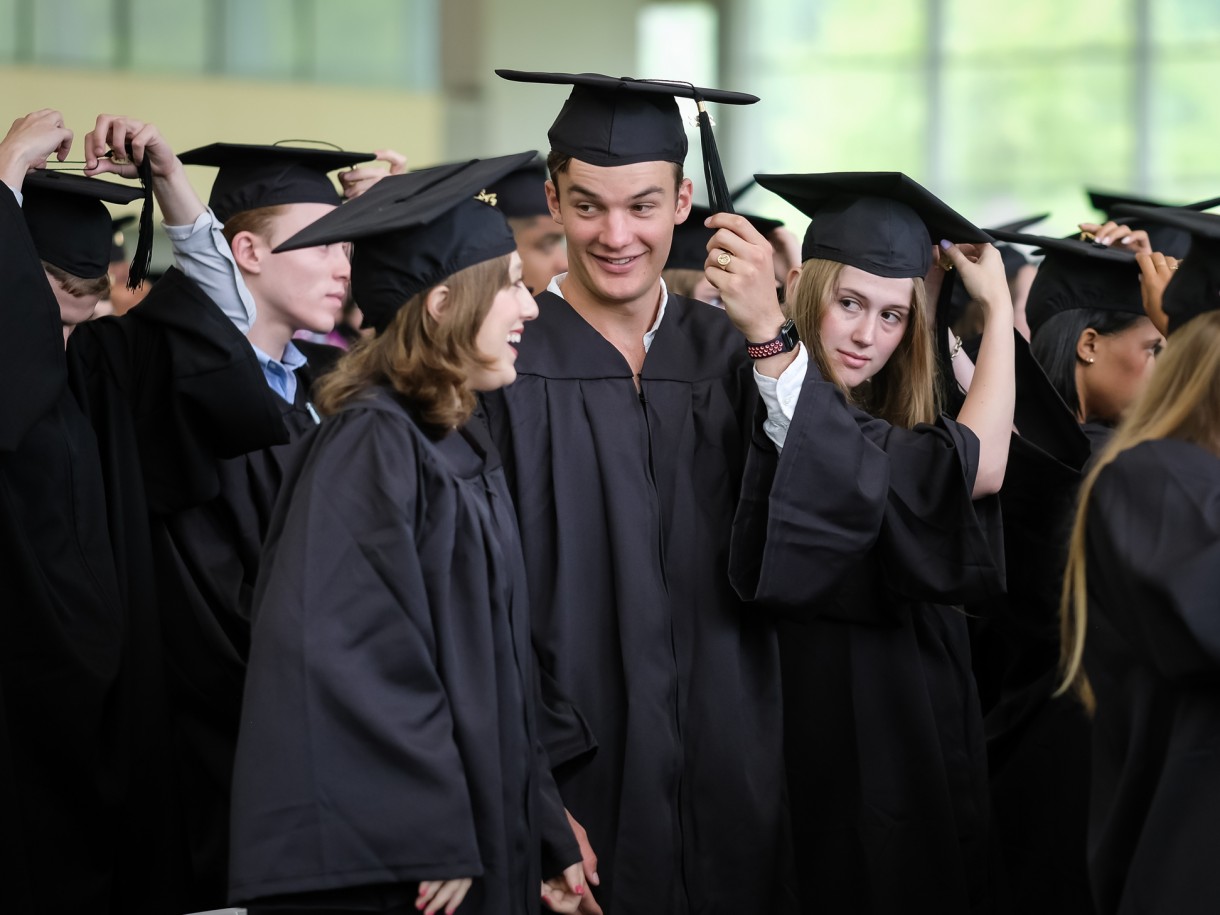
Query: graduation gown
{"points": [[883, 733], [1037, 745], [1152, 655], [100, 439], [662, 714], [207, 559], [388, 726]]}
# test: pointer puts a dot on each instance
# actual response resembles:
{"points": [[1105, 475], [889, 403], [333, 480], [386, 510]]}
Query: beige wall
{"points": [[192, 112]]}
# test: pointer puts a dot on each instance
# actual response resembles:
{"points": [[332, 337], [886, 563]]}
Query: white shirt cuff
{"points": [[780, 395]]}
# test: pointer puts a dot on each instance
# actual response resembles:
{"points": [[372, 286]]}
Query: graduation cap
{"points": [[251, 176], [1078, 274], [1195, 287], [414, 230], [522, 193], [1013, 259], [689, 248], [882, 222], [1167, 239], [70, 227], [610, 121]]}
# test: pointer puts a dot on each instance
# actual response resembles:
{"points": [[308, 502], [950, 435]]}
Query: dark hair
{"points": [[1054, 345], [557, 164]]}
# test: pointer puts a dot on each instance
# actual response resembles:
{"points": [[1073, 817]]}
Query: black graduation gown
{"points": [[134, 429], [625, 501], [883, 733], [388, 726], [1152, 654], [207, 558], [1037, 745]]}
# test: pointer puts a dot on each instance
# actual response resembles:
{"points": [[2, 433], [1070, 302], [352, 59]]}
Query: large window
{"points": [[1004, 110], [385, 43]]}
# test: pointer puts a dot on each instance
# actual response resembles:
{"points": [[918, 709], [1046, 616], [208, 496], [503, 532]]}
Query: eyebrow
{"points": [[847, 290], [585, 192]]}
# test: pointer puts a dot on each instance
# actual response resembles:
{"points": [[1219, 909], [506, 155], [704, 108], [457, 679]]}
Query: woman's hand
{"points": [[568, 892], [355, 181], [981, 270], [1119, 236], [437, 894], [739, 264], [1156, 270]]}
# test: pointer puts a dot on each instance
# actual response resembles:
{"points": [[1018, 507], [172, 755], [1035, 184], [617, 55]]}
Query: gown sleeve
{"points": [[191, 383], [1154, 555], [937, 543], [33, 370], [808, 514], [348, 772]]}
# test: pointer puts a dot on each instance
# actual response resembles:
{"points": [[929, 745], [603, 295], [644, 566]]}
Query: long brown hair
{"points": [[903, 393], [427, 361], [1182, 401]]}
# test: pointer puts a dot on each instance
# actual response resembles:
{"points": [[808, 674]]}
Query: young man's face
{"points": [[619, 222], [541, 246]]}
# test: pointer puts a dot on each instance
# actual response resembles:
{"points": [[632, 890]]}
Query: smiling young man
{"points": [[624, 437]]}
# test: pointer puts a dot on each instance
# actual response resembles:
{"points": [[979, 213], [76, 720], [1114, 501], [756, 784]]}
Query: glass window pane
{"points": [[402, 51], [1023, 138], [1185, 22], [74, 32], [8, 29], [1080, 28], [1185, 133], [169, 37], [259, 38]]}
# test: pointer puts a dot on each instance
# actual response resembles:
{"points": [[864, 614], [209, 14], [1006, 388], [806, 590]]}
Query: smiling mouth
{"points": [[514, 337], [617, 261]]}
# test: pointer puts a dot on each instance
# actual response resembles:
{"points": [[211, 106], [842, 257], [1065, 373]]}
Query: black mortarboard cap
{"points": [[1167, 239], [609, 121], [252, 176], [71, 228], [882, 222], [413, 230], [1013, 259], [522, 192], [1195, 287], [1078, 274], [689, 248]]}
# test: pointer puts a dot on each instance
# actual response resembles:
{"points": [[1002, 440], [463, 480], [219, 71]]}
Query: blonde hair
{"points": [[427, 361], [1182, 401], [903, 392]]}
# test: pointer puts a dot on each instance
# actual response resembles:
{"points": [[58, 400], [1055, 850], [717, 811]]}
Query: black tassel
{"points": [[141, 261], [719, 198]]}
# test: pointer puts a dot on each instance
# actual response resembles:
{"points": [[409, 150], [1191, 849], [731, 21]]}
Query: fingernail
{"points": [[945, 244], [597, 881], [580, 889], [1127, 239]]}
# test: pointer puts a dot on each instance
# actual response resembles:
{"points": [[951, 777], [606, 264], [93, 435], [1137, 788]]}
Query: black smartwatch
{"points": [[785, 342]]}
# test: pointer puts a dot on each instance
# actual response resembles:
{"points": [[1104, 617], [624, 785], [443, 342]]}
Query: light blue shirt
{"points": [[281, 374]]}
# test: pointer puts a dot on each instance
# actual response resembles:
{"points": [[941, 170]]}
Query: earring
{"points": [[1090, 361]]}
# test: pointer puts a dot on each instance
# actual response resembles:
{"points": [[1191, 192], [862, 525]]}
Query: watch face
{"points": [[788, 334]]}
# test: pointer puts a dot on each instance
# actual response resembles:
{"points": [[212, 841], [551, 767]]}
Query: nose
{"points": [[615, 230], [529, 306], [340, 262], [863, 330]]}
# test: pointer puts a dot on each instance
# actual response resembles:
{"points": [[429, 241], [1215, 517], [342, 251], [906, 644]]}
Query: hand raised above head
{"points": [[740, 265], [30, 141], [355, 181], [117, 144], [1113, 234], [1156, 270]]}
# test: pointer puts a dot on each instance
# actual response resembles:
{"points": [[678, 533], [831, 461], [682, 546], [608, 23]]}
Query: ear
{"points": [[437, 302], [686, 194], [552, 200], [790, 283], [249, 251], [1086, 346]]}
